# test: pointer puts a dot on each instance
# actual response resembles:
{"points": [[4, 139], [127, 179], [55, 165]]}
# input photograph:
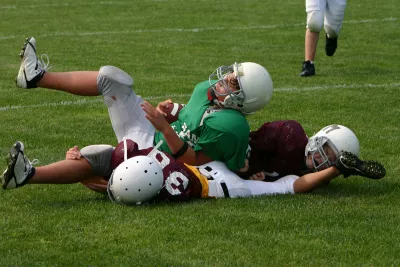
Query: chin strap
{"points": [[212, 97], [154, 150], [125, 149]]}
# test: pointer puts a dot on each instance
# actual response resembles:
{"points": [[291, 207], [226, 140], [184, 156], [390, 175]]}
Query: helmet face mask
{"points": [[136, 180], [247, 86], [330, 141], [321, 157], [223, 76]]}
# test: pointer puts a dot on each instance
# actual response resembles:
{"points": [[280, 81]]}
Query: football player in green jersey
{"points": [[211, 127]]}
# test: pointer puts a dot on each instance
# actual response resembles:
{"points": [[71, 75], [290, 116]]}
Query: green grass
{"points": [[169, 46]]}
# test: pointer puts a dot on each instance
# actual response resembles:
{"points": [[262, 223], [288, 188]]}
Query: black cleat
{"points": [[349, 164], [330, 46], [308, 69]]}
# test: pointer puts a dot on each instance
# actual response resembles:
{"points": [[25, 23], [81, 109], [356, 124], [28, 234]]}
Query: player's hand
{"points": [[73, 153], [163, 106], [260, 176], [246, 166], [97, 184], [154, 116]]}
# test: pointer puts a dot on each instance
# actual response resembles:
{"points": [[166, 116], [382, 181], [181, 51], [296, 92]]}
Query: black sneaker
{"points": [[349, 164], [330, 45], [308, 69]]}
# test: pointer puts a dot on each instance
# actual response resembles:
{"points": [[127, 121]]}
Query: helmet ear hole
{"points": [[140, 179]]}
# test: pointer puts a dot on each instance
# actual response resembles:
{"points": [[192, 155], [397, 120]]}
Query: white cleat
{"points": [[19, 169], [32, 68]]}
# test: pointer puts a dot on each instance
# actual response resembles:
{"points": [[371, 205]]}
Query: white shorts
{"points": [[333, 11]]}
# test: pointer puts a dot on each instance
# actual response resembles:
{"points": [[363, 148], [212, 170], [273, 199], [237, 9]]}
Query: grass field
{"points": [[169, 46]]}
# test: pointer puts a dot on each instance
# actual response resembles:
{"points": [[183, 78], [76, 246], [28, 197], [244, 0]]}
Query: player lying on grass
{"points": [[281, 148], [193, 138], [139, 175]]}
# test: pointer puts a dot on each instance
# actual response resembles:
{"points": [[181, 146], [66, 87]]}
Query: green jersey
{"points": [[222, 135]]}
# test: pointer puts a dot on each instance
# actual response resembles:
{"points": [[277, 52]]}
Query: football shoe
{"points": [[19, 169], [308, 69], [330, 45], [32, 68], [349, 164]]}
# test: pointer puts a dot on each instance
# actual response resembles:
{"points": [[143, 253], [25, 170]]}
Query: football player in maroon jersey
{"points": [[93, 165], [281, 148]]}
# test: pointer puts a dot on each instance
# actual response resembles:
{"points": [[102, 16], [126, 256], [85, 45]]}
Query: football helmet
{"points": [[254, 82], [338, 137], [136, 180]]}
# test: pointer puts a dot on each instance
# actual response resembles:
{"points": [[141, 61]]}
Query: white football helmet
{"points": [[338, 137], [135, 181], [255, 86]]}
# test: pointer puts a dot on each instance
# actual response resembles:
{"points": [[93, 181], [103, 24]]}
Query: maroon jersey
{"points": [[180, 183], [278, 148]]}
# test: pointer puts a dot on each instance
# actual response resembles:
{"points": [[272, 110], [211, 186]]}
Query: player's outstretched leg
{"points": [[349, 164], [32, 68], [19, 169]]}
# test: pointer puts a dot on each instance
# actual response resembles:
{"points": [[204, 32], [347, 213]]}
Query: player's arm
{"points": [[180, 149], [311, 181]]}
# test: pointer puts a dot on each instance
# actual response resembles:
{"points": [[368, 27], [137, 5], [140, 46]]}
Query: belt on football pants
{"points": [[212, 184]]}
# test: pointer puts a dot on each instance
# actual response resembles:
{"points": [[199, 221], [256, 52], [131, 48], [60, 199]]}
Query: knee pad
{"points": [[99, 156], [110, 75], [315, 21]]}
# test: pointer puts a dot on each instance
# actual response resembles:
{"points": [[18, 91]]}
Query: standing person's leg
{"points": [[310, 47], [333, 22], [315, 18]]}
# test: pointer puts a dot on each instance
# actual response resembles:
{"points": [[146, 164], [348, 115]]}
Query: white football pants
{"points": [[127, 116], [219, 176], [327, 13]]}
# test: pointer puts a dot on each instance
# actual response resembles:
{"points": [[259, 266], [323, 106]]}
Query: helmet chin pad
{"points": [[234, 101]]}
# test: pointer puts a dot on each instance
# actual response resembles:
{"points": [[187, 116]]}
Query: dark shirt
{"points": [[277, 148]]}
